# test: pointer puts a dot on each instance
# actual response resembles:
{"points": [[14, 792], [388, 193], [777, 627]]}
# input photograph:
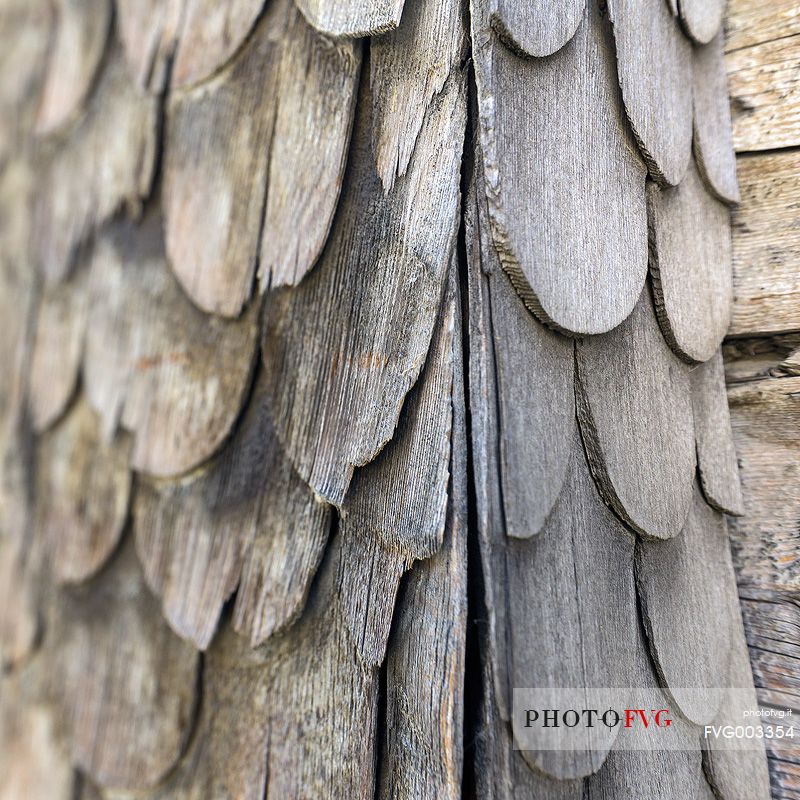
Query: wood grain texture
{"points": [[394, 512], [551, 149], [280, 722], [210, 34], [408, 68], [422, 754], [227, 756], [323, 739], [272, 128], [82, 494], [342, 349], [765, 94], [126, 684], [716, 454], [17, 307], [687, 587], [538, 28], [702, 19], [573, 584], [317, 88], [713, 136], [771, 621], [293, 719], [765, 416], [25, 28], [216, 161], [20, 626], [352, 17], [766, 245], [484, 429], [368, 579], [535, 383], [183, 42], [248, 516], [34, 762], [751, 359], [81, 33], [736, 773], [499, 771], [665, 773], [103, 163], [154, 364], [148, 30], [57, 350], [654, 64], [750, 22], [690, 266], [634, 407]]}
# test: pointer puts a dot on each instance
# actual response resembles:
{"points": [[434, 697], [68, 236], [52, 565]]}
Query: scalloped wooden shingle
{"points": [[702, 19], [407, 69], [246, 517], [654, 64], [154, 364], [352, 17], [423, 748], [713, 137], [564, 184], [317, 89], [81, 32], [272, 129], [126, 684], [394, 511], [211, 32], [691, 266], [537, 28], [83, 490], [716, 454], [573, 585], [686, 586], [535, 387], [635, 413], [149, 31], [103, 163], [293, 719], [57, 350]]}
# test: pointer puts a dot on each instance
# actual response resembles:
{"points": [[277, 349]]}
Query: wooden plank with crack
{"points": [[766, 245], [750, 22], [764, 84], [342, 349], [395, 510], [771, 622], [765, 416]]}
